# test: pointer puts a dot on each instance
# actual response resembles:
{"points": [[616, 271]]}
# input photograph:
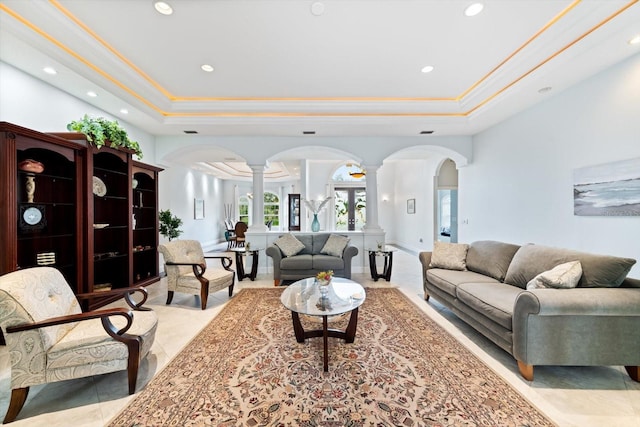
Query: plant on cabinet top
{"points": [[99, 131]]}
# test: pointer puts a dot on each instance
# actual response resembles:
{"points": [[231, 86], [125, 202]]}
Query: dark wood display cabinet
{"points": [[145, 223], [91, 213], [42, 202]]}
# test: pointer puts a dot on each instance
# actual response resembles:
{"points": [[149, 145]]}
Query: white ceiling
{"points": [[280, 70]]}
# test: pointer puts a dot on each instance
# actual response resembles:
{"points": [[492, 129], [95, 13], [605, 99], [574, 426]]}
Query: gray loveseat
{"points": [[309, 261], [596, 323]]}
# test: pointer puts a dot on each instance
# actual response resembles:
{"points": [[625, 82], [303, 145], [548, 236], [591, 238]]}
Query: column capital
{"points": [[258, 167]]}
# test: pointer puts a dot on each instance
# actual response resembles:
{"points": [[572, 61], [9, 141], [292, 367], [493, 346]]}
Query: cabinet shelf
{"points": [[108, 171], [26, 237]]}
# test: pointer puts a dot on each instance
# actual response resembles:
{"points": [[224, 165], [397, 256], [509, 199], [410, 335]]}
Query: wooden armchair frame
{"points": [[133, 342], [198, 271]]}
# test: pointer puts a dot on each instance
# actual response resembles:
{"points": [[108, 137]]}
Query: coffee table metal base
{"points": [[349, 335]]}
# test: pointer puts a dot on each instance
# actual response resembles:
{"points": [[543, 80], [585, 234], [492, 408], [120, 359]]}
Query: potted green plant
{"points": [[169, 225], [99, 131]]}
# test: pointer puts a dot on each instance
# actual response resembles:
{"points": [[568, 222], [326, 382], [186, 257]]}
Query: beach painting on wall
{"points": [[611, 189]]}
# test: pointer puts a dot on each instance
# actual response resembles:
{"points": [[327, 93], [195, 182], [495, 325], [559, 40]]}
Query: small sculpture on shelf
{"points": [[32, 167]]}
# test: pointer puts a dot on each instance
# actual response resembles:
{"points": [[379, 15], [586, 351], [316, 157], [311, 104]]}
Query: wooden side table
{"points": [[387, 253], [240, 254]]}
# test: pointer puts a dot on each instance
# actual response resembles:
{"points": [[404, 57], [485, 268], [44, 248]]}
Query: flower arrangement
{"points": [[316, 206], [324, 277]]}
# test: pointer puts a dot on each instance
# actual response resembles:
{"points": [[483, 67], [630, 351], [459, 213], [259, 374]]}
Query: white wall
{"points": [[178, 189], [519, 187], [34, 104]]}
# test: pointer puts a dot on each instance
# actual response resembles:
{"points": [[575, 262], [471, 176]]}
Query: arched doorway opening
{"points": [[446, 202]]}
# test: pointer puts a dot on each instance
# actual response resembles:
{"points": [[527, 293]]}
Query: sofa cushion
{"points": [[319, 240], [289, 245], [335, 245], [563, 276], [491, 258], [298, 262], [327, 262], [493, 300], [598, 271], [451, 256], [307, 241], [448, 280]]}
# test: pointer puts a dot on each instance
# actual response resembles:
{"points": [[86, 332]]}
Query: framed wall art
{"points": [[198, 209], [411, 206], [610, 189]]}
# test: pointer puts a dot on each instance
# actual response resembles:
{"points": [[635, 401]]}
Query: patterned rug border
{"points": [[250, 292]]}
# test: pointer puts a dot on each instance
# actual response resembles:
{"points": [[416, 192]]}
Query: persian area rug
{"points": [[246, 369]]}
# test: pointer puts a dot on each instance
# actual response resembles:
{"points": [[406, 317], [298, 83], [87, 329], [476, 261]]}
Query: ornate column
{"points": [[372, 198], [257, 218]]}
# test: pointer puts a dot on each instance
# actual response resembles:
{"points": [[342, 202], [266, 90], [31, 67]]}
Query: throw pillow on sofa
{"points": [[335, 245], [452, 256], [563, 276], [289, 245]]}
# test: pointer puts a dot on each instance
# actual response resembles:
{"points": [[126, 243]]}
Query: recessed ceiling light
{"points": [[635, 39], [427, 69], [473, 9], [163, 7], [124, 111], [545, 89], [92, 94], [317, 8], [50, 70], [206, 67]]}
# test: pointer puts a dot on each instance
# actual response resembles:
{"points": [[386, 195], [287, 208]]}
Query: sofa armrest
{"points": [[274, 252], [579, 302], [425, 260], [347, 255], [580, 326]]}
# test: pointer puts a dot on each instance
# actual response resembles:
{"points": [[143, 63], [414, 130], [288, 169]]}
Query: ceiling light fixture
{"points": [[635, 39], [308, 132], [427, 69], [473, 9], [50, 70], [92, 94], [206, 67], [124, 111], [358, 173], [163, 7], [545, 89]]}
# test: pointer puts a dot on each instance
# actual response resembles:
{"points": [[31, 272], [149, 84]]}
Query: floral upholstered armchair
{"points": [[187, 271], [50, 339]]}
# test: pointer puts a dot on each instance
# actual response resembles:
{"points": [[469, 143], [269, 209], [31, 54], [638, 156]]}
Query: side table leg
{"points": [[372, 266], [387, 271], [325, 343], [350, 333], [240, 266], [297, 327], [254, 266]]}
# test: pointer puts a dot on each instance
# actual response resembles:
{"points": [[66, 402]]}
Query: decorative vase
{"points": [[315, 225]]}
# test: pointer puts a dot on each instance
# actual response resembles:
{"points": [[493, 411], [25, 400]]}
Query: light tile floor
{"points": [[570, 396]]}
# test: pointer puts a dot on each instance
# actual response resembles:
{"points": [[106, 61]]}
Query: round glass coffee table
{"points": [[307, 297]]}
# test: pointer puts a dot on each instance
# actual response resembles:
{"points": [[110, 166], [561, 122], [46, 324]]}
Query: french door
{"points": [[350, 208]]}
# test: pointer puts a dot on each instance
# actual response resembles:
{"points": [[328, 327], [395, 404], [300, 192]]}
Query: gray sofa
{"points": [[596, 323], [309, 261]]}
